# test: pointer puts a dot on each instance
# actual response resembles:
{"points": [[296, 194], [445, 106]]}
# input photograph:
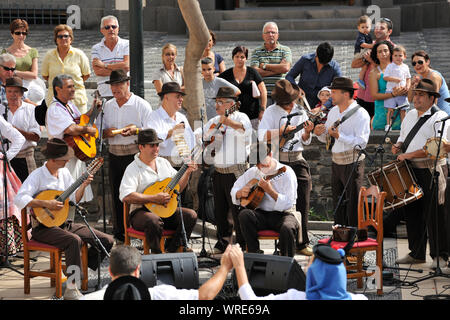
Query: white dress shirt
{"points": [[273, 119], [428, 130], [102, 52], [135, 111], [354, 131], [246, 293], [160, 292], [138, 176], [40, 180], [25, 120], [14, 136], [235, 145], [285, 185], [59, 118], [162, 123]]}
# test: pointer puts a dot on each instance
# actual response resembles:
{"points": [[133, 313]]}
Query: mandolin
{"points": [[84, 145], [314, 118], [330, 139], [52, 218], [256, 193]]}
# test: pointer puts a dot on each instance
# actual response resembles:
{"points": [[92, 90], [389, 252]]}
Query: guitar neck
{"points": [[74, 186], [172, 184], [280, 171], [93, 116]]}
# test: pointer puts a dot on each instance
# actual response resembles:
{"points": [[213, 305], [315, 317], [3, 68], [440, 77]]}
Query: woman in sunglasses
{"points": [[65, 59], [26, 61], [422, 65]]}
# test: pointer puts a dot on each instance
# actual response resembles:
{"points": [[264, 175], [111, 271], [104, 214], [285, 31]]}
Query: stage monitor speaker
{"points": [[176, 269], [273, 274]]}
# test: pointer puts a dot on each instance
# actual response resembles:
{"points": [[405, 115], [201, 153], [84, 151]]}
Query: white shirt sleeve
{"points": [[58, 120], [168, 292], [13, 135], [246, 293], [26, 192], [130, 182], [288, 197]]}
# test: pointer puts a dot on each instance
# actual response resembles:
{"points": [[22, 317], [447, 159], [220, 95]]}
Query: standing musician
{"points": [[70, 236], [21, 115], [228, 153], [275, 209], [146, 169], [352, 133], [124, 116], [421, 216], [273, 127]]}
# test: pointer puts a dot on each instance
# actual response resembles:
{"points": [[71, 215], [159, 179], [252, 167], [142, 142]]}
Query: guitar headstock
{"points": [[95, 165], [233, 108]]}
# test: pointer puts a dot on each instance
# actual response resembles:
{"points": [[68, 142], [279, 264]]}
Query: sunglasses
{"points": [[8, 69], [20, 33], [418, 62], [63, 36], [111, 26]]}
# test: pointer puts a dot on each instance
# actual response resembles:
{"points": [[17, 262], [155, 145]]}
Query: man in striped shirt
{"points": [[272, 60]]}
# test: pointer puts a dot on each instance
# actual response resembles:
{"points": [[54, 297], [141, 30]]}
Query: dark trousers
{"points": [[422, 218], [347, 214], [70, 238], [304, 187], [284, 223], [153, 226], [20, 168], [222, 185], [117, 166]]}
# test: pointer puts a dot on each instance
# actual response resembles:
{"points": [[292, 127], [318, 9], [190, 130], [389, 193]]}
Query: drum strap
{"points": [[416, 128]]}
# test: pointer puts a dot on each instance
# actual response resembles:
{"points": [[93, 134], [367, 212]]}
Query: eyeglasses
{"points": [[111, 26], [221, 103], [418, 62], [8, 69], [270, 32], [386, 19], [20, 33], [63, 36]]}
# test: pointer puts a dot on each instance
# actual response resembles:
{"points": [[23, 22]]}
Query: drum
{"points": [[397, 180], [431, 148]]}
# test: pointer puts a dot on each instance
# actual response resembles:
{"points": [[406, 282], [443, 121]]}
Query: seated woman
{"points": [[381, 54]]}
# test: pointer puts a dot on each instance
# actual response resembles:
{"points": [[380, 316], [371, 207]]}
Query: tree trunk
{"points": [[198, 39]]}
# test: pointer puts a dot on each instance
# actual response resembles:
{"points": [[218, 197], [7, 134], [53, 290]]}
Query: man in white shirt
{"points": [[111, 53], [123, 117], [125, 263], [352, 134], [147, 169], [69, 236], [21, 115], [421, 215], [232, 133], [274, 212], [277, 127]]}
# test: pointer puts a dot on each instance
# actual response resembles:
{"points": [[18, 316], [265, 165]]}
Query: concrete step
{"points": [[289, 24], [294, 13], [289, 35]]}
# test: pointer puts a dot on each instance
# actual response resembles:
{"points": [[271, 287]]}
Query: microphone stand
{"points": [[98, 244], [100, 151], [183, 230], [5, 263], [434, 189]]}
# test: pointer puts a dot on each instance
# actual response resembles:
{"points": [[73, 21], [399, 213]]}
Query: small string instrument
{"points": [[256, 193], [55, 218], [330, 139], [84, 145], [315, 118]]}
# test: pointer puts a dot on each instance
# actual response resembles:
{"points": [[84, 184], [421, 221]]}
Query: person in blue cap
{"points": [[326, 278]]}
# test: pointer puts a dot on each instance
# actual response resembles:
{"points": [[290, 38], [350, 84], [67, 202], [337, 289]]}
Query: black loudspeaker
{"points": [[273, 274], [177, 269]]}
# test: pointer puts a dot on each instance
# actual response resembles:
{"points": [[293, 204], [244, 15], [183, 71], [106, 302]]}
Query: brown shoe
{"points": [[306, 251]]}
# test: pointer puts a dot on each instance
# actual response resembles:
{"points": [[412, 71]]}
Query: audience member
{"points": [[363, 44], [218, 62], [169, 72]]}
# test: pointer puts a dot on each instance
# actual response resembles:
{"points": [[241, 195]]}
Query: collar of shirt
{"points": [[176, 68], [277, 47]]}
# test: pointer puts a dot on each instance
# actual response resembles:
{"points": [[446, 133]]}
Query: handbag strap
{"points": [[416, 128]]}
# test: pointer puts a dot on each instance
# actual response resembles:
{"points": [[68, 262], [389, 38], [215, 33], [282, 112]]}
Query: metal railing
{"points": [[33, 15]]}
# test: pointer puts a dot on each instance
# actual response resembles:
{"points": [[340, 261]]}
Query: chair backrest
{"points": [[370, 209], [25, 226], [126, 215]]}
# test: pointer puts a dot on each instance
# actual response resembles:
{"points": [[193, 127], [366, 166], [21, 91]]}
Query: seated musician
{"points": [[275, 211], [61, 119], [421, 215], [69, 236], [146, 169]]}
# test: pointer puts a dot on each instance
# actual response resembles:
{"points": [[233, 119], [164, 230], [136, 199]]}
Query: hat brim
{"points": [[124, 280], [117, 80], [17, 86], [162, 93], [436, 94], [69, 155]]}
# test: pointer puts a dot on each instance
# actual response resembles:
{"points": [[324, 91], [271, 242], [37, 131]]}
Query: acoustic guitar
{"points": [[256, 193], [315, 118], [84, 145], [55, 218], [330, 139]]}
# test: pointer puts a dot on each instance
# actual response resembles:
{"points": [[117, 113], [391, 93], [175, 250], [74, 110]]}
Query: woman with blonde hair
{"points": [[169, 72]]}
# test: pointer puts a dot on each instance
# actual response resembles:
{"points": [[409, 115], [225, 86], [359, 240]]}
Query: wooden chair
{"points": [[130, 232], [370, 213], [55, 272], [270, 235]]}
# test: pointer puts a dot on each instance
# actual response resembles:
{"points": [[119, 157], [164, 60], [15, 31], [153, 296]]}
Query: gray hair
{"points": [[124, 260], [270, 23], [7, 57], [108, 18], [58, 81]]}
